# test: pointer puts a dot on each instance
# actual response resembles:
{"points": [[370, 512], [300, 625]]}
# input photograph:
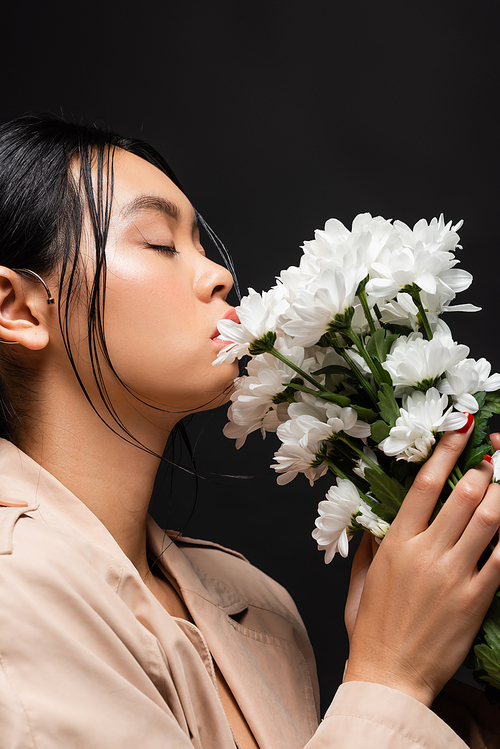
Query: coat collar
{"points": [[266, 673]]}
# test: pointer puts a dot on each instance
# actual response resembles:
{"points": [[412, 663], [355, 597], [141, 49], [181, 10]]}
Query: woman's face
{"points": [[164, 297]]}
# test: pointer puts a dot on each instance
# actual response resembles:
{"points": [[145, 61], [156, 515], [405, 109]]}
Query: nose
{"points": [[213, 280]]}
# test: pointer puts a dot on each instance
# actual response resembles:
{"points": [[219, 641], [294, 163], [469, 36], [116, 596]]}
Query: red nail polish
{"points": [[488, 458], [465, 428]]}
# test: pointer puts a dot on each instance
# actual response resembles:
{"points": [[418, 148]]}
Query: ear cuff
{"points": [[50, 298]]}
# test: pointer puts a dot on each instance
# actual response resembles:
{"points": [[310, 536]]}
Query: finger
{"points": [[459, 508], [481, 529], [360, 565], [488, 576], [419, 503], [495, 440]]}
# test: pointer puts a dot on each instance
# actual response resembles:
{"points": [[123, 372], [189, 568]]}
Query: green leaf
{"points": [[475, 455], [398, 329], [491, 404], [335, 369], [488, 652], [479, 438], [388, 491], [366, 414], [380, 430], [379, 344], [389, 409], [376, 343], [383, 374], [480, 397], [340, 400]]}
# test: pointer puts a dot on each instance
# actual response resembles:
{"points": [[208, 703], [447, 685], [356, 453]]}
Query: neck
{"points": [[112, 477]]}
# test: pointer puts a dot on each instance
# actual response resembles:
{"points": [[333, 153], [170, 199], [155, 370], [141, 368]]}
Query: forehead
{"points": [[139, 186]]}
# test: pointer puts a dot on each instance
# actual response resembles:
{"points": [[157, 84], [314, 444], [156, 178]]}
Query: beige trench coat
{"points": [[89, 658]]}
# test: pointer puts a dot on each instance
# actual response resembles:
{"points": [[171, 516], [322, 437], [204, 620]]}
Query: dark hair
{"points": [[42, 206]]}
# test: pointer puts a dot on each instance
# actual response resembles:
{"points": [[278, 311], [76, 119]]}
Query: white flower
{"points": [[435, 234], [466, 378], [325, 418], [422, 415], [400, 311], [297, 454], [257, 314], [425, 258], [361, 464], [496, 467], [414, 360], [312, 422], [437, 304], [254, 400], [336, 247], [314, 309], [369, 520], [339, 515]]}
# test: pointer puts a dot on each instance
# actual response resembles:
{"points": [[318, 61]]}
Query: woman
{"points": [[111, 633]]}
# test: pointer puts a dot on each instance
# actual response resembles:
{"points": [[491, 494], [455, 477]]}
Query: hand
{"points": [[424, 598]]}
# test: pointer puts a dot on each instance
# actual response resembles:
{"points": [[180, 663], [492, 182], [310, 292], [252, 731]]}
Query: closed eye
{"points": [[163, 248]]}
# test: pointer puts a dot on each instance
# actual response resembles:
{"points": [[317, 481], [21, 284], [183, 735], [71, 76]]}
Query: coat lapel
{"points": [[252, 639]]}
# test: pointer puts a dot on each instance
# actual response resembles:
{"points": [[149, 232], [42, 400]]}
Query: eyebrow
{"points": [[153, 203]]}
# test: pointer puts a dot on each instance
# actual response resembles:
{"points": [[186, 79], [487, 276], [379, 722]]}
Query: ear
{"points": [[24, 313]]}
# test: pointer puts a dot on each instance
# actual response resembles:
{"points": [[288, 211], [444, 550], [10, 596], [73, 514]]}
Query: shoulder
{"points": [[46, 568]]}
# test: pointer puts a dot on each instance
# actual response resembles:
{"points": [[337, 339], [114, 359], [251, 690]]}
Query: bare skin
{"points": [[161, 315], [415, 606], [162, 310]]}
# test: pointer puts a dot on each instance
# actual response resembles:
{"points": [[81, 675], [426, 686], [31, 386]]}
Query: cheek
{"points": [[145, 313], [156, 340]]}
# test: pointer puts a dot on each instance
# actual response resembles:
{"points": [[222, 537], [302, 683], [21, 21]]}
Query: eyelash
{"points": [[163, 248]]}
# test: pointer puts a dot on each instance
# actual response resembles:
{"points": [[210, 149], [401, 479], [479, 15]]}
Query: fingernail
{"points": [[488, 458], [466, 426]]}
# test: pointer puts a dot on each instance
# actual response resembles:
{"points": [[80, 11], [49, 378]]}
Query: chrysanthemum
{"points": [[324, 303], [422, 416], [298, 452], [311, 423], [361, 465], [435, 234], [256, 397], [336, 247], [257, 314], [400, 311], [424, 258], [339, 515], [466, 378], [413, 361], [496, 467]]}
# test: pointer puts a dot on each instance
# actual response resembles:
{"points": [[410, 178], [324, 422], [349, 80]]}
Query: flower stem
{"points": [[339, 399], [423, 316], [335, 469], [297, 369], [364, 353], [359, 374], [342, 437], [455, 475], [338, 472], [364, 303]]}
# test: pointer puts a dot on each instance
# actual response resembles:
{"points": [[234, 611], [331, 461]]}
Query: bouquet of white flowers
{"points": [[354, 369]]}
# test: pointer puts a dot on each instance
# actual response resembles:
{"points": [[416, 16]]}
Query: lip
{"points": [[229, 314]]}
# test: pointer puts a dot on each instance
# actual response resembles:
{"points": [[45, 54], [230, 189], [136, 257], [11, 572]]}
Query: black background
{"points": [[277, 116]]}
